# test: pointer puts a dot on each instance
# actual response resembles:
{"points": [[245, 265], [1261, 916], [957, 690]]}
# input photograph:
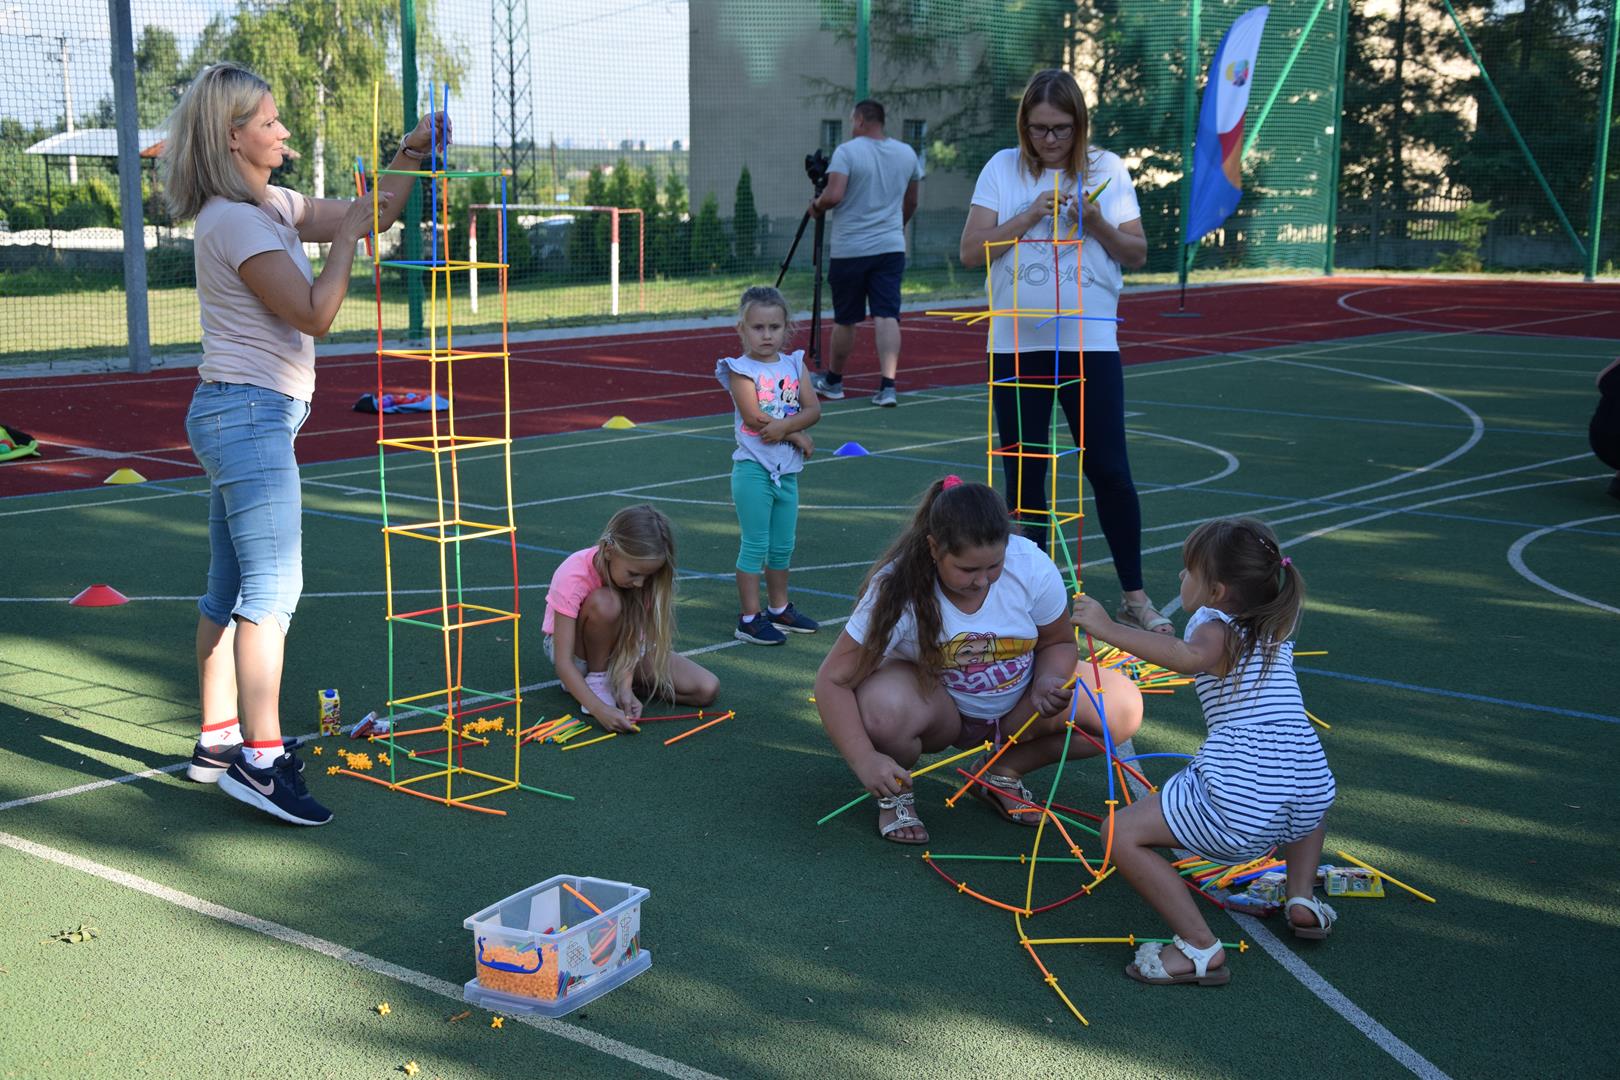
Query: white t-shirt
{"points": [[990, 654], [1007, 189], [243, 341]]}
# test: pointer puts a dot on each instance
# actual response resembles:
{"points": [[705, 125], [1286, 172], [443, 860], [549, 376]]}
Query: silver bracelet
{"points": [[414, 155]]}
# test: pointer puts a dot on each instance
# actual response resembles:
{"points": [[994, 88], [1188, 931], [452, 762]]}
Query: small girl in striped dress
{"points": [[1260, 779]]}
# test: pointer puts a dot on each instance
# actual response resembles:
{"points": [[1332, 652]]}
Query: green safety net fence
{"points": [[693, 121]]}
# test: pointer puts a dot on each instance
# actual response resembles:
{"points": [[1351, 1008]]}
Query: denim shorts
{"points": [[243, 437]]}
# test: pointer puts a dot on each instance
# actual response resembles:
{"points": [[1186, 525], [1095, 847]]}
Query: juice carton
{"points": [[331, 712]]}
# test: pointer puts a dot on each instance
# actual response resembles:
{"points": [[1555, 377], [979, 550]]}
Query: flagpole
{"points": [[1189, 110]]}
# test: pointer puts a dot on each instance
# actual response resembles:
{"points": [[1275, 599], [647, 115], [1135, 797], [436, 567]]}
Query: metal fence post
{"points": [[131, 213], [863, 47], [1338, 139], [1600, 157]]}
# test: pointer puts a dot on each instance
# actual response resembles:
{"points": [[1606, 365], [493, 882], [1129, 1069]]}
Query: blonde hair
{"points": [[196, 161], [767, 296], [1058, 89], [647, 621], [1266, 588]]}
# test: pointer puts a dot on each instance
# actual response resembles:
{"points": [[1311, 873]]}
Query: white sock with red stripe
{"points": [[262, 755], [228, 733]]}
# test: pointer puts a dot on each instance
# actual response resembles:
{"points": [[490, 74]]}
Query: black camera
{"points": [[815, 167]]}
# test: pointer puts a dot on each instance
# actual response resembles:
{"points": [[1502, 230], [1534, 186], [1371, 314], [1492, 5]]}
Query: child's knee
{"points": [[602, 606], [707, 690]]}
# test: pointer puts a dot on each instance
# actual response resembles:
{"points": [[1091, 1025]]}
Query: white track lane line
{"points": [[353, 957], [1515, 558]]}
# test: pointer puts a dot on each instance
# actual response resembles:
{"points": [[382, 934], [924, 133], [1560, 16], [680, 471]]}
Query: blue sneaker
{"points": [[759, 631], [792, 621], [208, 763], [826, 388], [278, 790]]}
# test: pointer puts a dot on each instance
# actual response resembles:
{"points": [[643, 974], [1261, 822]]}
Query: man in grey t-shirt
{"points": [[872, 180]]}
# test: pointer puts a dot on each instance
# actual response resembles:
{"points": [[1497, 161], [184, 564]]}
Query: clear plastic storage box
{"points": [[557, 945]]}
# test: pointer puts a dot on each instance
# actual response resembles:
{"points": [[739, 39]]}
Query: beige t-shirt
{"points": [[244, 341]]}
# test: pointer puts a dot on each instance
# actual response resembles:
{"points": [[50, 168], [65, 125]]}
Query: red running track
{"points": [[89, 425]]}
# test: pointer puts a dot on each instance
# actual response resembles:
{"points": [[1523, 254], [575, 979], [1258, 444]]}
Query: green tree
{"points": [[709, 249], [745, 221], [158, 75], [322, 60], [676, 227], [646, 200]]}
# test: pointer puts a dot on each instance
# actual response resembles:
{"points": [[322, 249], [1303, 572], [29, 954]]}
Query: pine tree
{"points": [[709, 249], [676, 215], [745, 222]]}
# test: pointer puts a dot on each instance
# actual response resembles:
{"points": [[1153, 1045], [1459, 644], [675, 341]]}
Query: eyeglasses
{"points": [[1041, 131]]}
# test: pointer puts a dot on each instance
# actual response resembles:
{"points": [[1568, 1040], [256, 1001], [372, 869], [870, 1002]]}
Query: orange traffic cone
{"points": [[99, 596]]}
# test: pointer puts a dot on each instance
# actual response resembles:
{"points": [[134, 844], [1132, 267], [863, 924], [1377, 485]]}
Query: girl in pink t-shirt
{"points": [[610, 623]]}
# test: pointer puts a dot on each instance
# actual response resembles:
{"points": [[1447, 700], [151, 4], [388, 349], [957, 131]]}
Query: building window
{"points": [[915, 134], [832, 133]]}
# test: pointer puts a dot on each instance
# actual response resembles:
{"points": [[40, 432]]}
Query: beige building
{"points": [[767, 91]]}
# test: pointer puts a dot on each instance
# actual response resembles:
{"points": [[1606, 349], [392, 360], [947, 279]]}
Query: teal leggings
{"points": [[768, 514]]}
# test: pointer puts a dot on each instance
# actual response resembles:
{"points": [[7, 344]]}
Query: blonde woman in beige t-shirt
{"points": [[261, 309]]}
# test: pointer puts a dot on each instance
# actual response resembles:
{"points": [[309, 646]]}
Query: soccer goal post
{"points": [[614, 213]]}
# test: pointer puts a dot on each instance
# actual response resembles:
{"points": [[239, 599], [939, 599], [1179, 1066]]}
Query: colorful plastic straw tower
{"points": [[453, 706], [1031, 372]]}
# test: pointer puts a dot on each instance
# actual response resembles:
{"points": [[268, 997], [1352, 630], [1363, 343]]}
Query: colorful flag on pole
{"points": [[1217, 176]]}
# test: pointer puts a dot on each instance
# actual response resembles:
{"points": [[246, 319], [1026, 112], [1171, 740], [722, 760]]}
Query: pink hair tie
{"points": [[1286, 561], [949, 482]]}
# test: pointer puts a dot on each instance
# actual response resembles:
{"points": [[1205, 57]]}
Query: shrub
{"points": [[25, 216], [171, 264]]}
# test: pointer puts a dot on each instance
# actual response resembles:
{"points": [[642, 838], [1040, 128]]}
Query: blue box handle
{"points": [[501, 965]]}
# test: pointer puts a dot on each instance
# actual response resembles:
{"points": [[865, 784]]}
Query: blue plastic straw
{"points": [[503, 219]]}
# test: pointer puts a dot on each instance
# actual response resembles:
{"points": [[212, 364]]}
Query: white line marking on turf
{"points": [[1308, 977], [1515, 558], [94, 785], [1333, 998], [353, 957]]}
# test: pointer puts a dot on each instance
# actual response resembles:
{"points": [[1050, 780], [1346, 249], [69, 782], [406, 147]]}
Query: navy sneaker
{"points": [[793, 621], [759, 631], [208, 763], [278, 790]]}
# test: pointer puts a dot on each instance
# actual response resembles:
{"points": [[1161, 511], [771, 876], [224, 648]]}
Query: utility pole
{"points": [[62, 51]]}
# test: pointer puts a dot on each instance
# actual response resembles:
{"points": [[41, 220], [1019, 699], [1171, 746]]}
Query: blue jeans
{"points": [[768, 514], [243, 438]]}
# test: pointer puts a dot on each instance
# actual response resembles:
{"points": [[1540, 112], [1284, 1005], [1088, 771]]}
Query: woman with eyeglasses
{"points": [[1055, 176]]}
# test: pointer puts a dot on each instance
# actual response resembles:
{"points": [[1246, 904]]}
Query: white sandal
{"points": [[1142, 615], [1149, 968], [1325, 917], [903, 816]]}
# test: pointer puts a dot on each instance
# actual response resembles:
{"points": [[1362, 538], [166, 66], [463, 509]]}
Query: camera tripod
{"points": [[815, 166]]}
